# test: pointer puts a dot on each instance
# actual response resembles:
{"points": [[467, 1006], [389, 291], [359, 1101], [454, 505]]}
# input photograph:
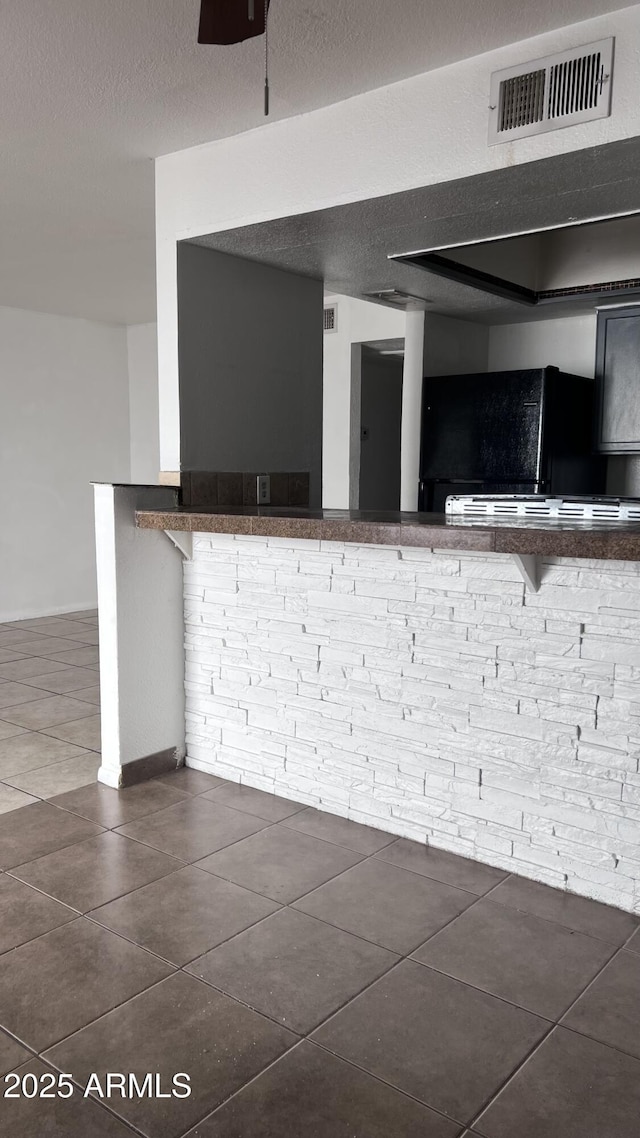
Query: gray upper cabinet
{"points": [[618, 379]]}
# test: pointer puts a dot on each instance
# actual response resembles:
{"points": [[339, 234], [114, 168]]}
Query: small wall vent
{"points": [[559, 90], [331, 318]]}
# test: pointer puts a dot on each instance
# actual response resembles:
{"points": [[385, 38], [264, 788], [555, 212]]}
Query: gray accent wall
{"points": [[250, 356]]}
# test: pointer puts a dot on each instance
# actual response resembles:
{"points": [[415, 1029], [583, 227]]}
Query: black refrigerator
{"points": [[508, 432]]}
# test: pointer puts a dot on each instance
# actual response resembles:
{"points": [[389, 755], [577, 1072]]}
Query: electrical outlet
{"points": [[264, 489]]}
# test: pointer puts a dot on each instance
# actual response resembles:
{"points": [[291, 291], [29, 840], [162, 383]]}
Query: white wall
{"points": [[359, 321], [569, 343], [593, 255], [424, 130], [454, 347], [142, 351], [64, 421]]}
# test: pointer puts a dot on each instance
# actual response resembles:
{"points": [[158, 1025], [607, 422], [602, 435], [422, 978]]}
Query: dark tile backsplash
{"points": [[229, 489], [299, 489], [200, 488], [249, 490], [207, 489], [279, 490]]}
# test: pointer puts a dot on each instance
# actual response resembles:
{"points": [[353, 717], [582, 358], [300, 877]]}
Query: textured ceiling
{"points": [[349, 246], [92, 90]]}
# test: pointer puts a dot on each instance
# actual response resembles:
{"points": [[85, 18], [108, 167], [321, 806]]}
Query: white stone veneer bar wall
{"points": [[426, 693]]}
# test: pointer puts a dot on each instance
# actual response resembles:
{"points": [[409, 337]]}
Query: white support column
{"points": [[168, 383], [141, 625], [411, 409], [355, 426]]}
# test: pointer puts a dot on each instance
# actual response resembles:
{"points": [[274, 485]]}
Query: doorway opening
{"points": [[379, 423]]}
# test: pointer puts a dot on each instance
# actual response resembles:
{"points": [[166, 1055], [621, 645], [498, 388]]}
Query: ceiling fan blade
{"points": [[228, 21]]}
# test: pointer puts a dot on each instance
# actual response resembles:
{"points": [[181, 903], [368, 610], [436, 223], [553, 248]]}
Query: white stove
{"points": [[537, 508]]}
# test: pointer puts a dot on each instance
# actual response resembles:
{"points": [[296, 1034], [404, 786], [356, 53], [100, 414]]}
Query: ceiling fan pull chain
{"points": [[266, 58], [252, 9]]}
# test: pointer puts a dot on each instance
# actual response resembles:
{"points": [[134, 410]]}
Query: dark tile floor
{"points": [[313, 977]]}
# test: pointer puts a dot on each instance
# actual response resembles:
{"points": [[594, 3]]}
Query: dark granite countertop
{"points": [[605, 540]]}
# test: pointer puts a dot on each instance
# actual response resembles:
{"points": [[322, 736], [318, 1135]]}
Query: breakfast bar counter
{"points": [[473, 684], [619, 541]]}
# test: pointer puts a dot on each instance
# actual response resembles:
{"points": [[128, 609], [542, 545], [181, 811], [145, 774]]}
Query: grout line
{"points": [[10, 868], [67, 722], [123, 1003], [284, 904], [12, 1037], [483, 991], [398, 952], [39, 798], [556, 1025], [284, 821], [379, 1078], [116, 1006], [353, 999], [240, 1090], [69, 810], [77, 916], [47, 729], [550, 921], [108, 1012], [297, 1039], [45, 659], [52, 762], [134, 944], [267, 1015], [84, 912], [373, 858], [592, 1039], [92, 1098], [288, 822], [37, 698], [47, 798], [520, 1067], [349, 932], [200, 857], [187, 963]]}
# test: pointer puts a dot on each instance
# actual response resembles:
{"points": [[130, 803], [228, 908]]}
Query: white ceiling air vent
{"points": [[331, 318], [396, 298], [559, 90]]}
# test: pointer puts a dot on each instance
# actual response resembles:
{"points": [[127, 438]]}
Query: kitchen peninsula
{"points": [[608, 540], [426, 677]]}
